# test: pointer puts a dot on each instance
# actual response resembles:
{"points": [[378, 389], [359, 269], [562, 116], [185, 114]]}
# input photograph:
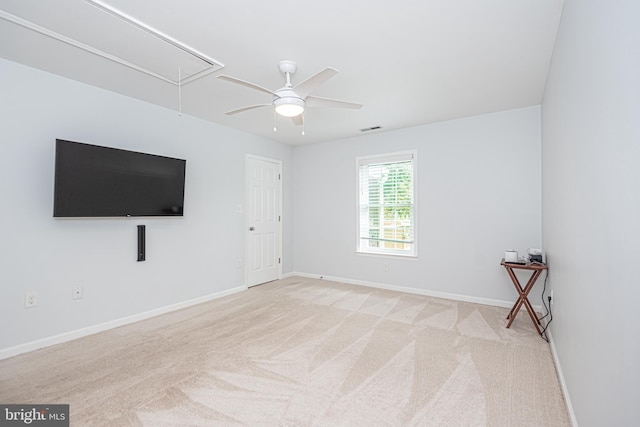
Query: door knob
{"points": [[251, 228]]}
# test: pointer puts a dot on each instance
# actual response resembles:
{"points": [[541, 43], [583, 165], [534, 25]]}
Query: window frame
{"points": [[398, 156]]}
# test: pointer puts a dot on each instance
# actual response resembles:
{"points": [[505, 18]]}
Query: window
{"points": [[386, 200]]}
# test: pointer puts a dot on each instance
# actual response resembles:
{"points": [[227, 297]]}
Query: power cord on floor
{"points": [[549, 314]]}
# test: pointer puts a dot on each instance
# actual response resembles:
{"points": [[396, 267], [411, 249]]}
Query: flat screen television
{"points": [[94, 181]]}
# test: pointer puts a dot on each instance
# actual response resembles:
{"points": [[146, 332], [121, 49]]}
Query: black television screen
{"points": [[94, 181]]}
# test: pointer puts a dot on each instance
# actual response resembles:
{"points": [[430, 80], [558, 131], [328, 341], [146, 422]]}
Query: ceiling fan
{"points": [[291, 101]]}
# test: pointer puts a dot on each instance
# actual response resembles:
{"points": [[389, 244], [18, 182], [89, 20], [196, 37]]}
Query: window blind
{"points": [[386, 204]]}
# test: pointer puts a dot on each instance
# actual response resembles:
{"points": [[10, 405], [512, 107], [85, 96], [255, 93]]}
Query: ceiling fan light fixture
{"points": [[289, 106]]}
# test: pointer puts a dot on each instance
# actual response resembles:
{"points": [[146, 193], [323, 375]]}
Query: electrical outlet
{"points": [[77, 292], [385, 266], [30, 299], [551, 296]]}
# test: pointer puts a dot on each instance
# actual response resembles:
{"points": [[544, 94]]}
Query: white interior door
{"points": [[263, 220]]}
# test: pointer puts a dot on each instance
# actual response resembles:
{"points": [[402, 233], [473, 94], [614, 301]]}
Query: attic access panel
{"points": [[105, 31]]}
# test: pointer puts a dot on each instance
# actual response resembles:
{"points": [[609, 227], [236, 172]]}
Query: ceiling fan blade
{"points": [[247, 84], [243, 109], [297, 120], [306, 87], [316, 101]]}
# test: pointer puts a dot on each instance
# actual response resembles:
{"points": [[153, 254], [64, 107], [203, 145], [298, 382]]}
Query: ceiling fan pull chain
{"points": [[302, 117], [274, 121]]}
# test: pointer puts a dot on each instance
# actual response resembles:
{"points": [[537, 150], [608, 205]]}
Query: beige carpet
{"points": [[302, 352]]}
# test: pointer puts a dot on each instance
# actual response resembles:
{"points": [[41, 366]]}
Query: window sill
{"points": [[388, 255]]}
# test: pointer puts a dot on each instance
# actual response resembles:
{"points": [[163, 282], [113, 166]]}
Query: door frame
{"points": [[247, 223]]}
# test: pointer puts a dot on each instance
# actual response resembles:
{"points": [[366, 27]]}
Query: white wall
{"points": [[478, 194], [187, 257], [591, 207]]}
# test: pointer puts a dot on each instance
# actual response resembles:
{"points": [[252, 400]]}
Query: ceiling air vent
{"points": [[371, 128]]}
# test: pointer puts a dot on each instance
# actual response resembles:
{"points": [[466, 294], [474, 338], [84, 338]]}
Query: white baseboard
{"points": [[563, 384], [90, 330], [435, 294]]}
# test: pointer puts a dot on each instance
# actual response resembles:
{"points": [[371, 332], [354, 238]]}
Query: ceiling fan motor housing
{"points": [[287, 67]]}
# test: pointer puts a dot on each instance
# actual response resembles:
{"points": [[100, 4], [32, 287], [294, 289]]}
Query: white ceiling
{"points": [[408, 62]]}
